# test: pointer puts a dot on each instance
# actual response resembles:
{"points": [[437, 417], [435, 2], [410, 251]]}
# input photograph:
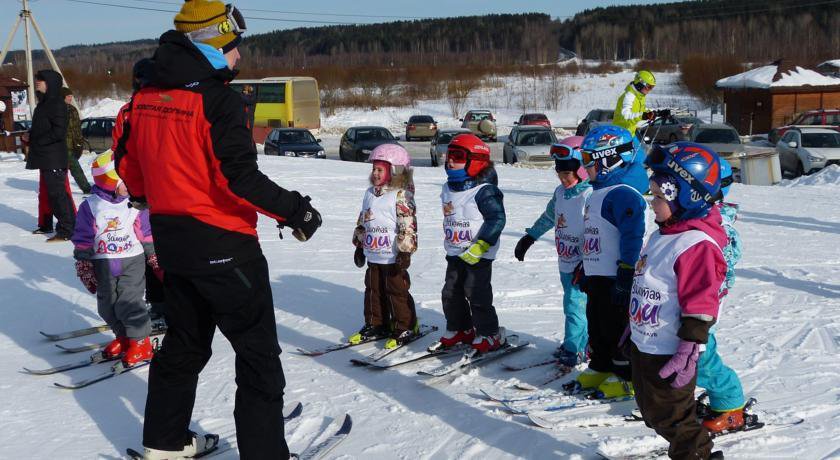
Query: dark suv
{"points": [[358, 143], [97, 133]]}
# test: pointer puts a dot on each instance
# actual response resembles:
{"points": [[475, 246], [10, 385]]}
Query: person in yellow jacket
{"points": [[630, 108]]}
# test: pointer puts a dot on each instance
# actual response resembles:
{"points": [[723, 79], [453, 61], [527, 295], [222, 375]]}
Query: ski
{"points": [[295, 412], [324, 447], [558, 374], [380, 354], [564, 405], [115, 370], [437, 353], [529, 365], [471, 358], [158, 328], [510, 399], [337, 346], [75, 333], [94, 359]]}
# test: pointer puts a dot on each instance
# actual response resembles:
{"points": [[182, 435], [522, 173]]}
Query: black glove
{"points": [[664, 113], [522, 247], [304, 222], [649, 116], [403, 260], [621, 288], [359, 257]]}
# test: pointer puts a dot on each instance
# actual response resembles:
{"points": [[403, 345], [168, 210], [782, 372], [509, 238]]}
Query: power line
{"points": [[303, 13]]}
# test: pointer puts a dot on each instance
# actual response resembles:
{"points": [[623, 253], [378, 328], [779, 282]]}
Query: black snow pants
{"points": [[239, 302], [605, 323], [468, 297]]}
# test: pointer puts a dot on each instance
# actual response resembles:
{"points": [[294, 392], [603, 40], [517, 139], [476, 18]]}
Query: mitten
{"points": [[155, 266], [621, 288], [683, 364], [403, 260], [522, 247], [84, 270], [359, 257], [305, 221], [473, 254]]}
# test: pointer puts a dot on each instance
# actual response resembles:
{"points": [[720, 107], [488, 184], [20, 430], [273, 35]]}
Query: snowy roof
{"points": [[769, 76]]}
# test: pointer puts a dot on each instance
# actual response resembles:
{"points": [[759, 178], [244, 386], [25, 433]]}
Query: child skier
{"points": [[473, 219], [112, 243], [386, 234], [565, 214], [675, 294], [614, 230], [722, 385]]}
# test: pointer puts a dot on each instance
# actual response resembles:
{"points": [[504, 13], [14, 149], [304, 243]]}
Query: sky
{"points": [[70, 22]]}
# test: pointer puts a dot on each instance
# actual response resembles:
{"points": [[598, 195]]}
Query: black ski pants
{"points": [[60, 201], [605, 323], [239, 302], [468, 297]]}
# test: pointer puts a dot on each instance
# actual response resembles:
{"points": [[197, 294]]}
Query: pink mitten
{"points": [[84, 270], [155, 266]]}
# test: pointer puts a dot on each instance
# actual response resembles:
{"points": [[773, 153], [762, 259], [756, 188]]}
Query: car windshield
{"points": [[481, 116], [605, 115], [717, 136], [536, 138], [445, 138], [821, 140], [295, 137], [535, 117], [689, 120], [373, 135], [421, 119]]}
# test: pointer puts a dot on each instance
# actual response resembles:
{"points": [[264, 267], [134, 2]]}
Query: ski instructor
{"points": [[186, 151], [630, 107]]}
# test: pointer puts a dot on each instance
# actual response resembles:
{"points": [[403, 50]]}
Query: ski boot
{"points": [[198, 446], [366, 333], [137, 351], [569, 359], [614, 387], [452, 338], [586, 380], [484, 343], [722, 422], [400, 337], [115, 348]]}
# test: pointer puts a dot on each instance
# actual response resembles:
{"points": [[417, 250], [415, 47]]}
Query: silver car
{"points": [[805, 150], [721, 138], [672, 129], [440, 142], [529, 144]]}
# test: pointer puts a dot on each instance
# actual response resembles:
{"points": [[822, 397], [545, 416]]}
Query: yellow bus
{"points": [[283, 102]]}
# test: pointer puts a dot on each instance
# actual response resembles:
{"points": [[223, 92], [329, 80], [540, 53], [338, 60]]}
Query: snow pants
{"points": [[671, 412], [720, 381], [574, 309], [77, 172], [467, 297], [605, 323], [239, 302], [55, 199], [387, 298], [119, 295]]}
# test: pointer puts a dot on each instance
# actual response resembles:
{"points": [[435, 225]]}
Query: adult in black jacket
{"points": [[48, 153]]}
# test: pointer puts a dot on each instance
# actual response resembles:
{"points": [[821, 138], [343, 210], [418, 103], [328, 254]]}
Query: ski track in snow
{"points": [[780, 329]]}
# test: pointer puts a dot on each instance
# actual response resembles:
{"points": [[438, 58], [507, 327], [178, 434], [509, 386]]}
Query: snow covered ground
{"points": [[780, 330]]}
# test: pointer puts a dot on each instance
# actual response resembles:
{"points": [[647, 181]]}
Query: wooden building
{"points": [[766, 97], [8, 86]]}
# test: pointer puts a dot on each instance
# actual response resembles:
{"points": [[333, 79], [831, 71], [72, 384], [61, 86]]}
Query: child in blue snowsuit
{"points": [[564, 213], [615, 218], [726, 396]]}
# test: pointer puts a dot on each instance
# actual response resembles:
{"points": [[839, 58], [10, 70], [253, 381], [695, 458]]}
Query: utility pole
{"points": [[26, 17]]}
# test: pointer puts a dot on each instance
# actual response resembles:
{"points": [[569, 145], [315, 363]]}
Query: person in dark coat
{"points": [[250, 99], [48, 153], [75, 142]]}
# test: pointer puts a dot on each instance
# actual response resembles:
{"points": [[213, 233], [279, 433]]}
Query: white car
{"points": [[805, 150], [529, 144]]}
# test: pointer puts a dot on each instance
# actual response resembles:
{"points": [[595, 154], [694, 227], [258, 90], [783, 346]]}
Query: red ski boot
{"points": [[724, 422], [138, 351], [485, 343], [115, 348], [452, 338]]}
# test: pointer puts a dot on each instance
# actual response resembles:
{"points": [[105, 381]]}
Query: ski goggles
{"points": [[660, 159], [461, 155], [562, 152], [589, 157], [234, 22]]}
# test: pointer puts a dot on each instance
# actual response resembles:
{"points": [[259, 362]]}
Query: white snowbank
{"points": [[763, 77], [829, 175], [833, 62], [103, 108]]}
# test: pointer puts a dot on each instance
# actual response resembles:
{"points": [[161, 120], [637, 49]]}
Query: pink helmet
{"points": [[394, 154], [575, 142]]}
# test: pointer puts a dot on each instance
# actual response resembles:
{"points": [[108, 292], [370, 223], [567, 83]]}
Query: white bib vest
{"points": [[461, 221], [568, 228], [380, 222], [601, 238], [115, 237], [655, 310]]}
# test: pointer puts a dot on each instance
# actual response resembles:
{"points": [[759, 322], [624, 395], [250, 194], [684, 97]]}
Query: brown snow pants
{"points": [[387, 298], [671, 412]]}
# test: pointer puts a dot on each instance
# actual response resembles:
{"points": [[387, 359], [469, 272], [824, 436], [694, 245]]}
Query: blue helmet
{"points": [[697, 171], [726, 178], [609, 148]]}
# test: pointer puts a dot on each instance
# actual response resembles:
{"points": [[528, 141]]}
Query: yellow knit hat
{"points": [[207, 21]]}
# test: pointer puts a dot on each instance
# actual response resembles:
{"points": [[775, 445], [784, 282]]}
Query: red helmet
{"points": [[469, 149]]}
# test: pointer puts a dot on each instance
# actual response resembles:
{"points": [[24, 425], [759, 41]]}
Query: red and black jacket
{"points": [[188, 152]]}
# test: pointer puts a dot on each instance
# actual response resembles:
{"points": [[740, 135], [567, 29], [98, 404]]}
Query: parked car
{"points": [[482, 123], [672, 129], [97, 133], [533, 119], [358, 143], [594, 118], [821, 117], [528, 144], [721, 138], [805, 150], [420, 127], [293, 142], [441, 141]]}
